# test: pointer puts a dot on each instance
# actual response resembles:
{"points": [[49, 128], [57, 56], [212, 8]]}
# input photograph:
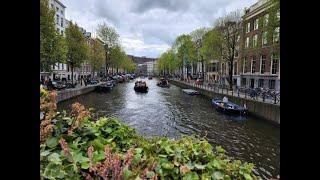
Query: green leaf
{"points": [[191, 176], [247, 176], [126, 173], [54, 158], [79, 158], [45, 153], [167, 165], [219, 149], [138, 150], [217, 175], [85, 165], [150, 174], [199, 166], [52, 142], [98, 156], [136, 158]]}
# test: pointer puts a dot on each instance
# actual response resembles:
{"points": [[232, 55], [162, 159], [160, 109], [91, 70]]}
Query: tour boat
{"points": [[141, 86], [229, 107], [190, 92]]}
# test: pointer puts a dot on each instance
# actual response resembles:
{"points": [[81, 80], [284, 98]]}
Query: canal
{"points": [[170, 112]]}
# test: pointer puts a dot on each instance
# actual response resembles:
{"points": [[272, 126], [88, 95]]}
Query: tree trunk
{"points": [[230, 76], [202, 67], [72, 74]]}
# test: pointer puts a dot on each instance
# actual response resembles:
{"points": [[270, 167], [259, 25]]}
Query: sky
{"points": [[149, 27]]}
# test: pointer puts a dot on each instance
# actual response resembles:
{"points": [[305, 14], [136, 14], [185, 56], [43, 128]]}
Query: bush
{"points": [[81, 147]]}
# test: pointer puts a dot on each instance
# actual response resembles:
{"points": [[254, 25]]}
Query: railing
{"points": [[267, 96]]}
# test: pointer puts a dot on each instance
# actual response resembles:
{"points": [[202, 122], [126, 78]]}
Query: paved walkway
{"points": [[227, 92]]}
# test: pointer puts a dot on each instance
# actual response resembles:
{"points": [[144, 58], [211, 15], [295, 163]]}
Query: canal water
{"points": [[170, 112]]}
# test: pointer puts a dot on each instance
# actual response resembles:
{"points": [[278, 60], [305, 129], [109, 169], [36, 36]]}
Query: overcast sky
{"points": [[149, 27]]}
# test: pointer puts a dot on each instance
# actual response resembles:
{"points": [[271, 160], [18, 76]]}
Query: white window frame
{"points": [[255, 40], [248, 27], [264, 39], [261, 65], [278, 14], [266, 19], [272, 58], [278, 34], [253, 58], [256, 24], [244, 65], [247, 43]]}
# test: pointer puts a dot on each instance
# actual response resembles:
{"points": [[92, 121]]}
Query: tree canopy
{"points": [[97, 55], [53, 46]]}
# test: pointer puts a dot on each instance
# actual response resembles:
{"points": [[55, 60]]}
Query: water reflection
{"points": [[170, 112]]}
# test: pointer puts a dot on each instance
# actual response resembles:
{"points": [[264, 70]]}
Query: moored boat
{"points": [[229, 107], [190, 92], [105, 87], [141, 86], [150, 77]]}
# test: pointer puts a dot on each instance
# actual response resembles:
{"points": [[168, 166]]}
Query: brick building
{"points": [[259, 56]]}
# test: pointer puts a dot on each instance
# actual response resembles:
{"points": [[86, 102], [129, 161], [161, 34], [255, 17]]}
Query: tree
{"points": [[167, 62], [110, 36], [97, 55], [53, 47], [229, 28], [116, 55], [78, 51], [185, 51], [197, 37]]}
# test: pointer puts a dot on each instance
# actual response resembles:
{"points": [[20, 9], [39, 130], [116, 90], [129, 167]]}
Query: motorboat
{"points": [[105, 87], [190, 92], [163, 83], [229, 107], [141, 86], [150, 77]]}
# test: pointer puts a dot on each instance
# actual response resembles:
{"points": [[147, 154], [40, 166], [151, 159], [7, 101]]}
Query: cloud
{"points": [[149, 27]]}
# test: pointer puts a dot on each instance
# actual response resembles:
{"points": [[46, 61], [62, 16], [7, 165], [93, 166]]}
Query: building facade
{"points": [[259, 63]]}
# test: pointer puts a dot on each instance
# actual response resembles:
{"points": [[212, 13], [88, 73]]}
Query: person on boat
{"points": [[225, 99]]}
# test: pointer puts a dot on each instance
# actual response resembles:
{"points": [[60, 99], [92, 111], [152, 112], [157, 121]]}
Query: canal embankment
{"points": [[262, 110], [71, 93]]}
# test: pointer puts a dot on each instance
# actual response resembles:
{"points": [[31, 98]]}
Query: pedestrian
{"points": [[225, 99]]}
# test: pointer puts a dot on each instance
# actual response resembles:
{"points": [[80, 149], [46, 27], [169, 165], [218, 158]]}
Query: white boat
{"points": [[190, 92]]}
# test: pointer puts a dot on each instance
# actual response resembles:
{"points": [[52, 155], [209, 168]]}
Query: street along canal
{"points": [[170, 112]]}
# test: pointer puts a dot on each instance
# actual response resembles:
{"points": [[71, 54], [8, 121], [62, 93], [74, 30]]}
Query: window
{"points": [[264, 38], [52, 6], [61, 12], [274, 64], [256, 24], [245, 65], [253, 65], [262, 64], [57, 19], [243, 82], [61, 32], [255, 40], [57, 9], [235, 68], [248, 27], [266, 20], [61, 22], [247, 42], [260, 83], [272, 84], [276, 34]]}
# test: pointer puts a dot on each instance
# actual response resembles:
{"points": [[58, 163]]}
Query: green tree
{"points": [[185, 51], [116, 57], [53, 47], [111, 38], [97, 55], [78, 51], [167, 62], [197, 37], [229, 27]]}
